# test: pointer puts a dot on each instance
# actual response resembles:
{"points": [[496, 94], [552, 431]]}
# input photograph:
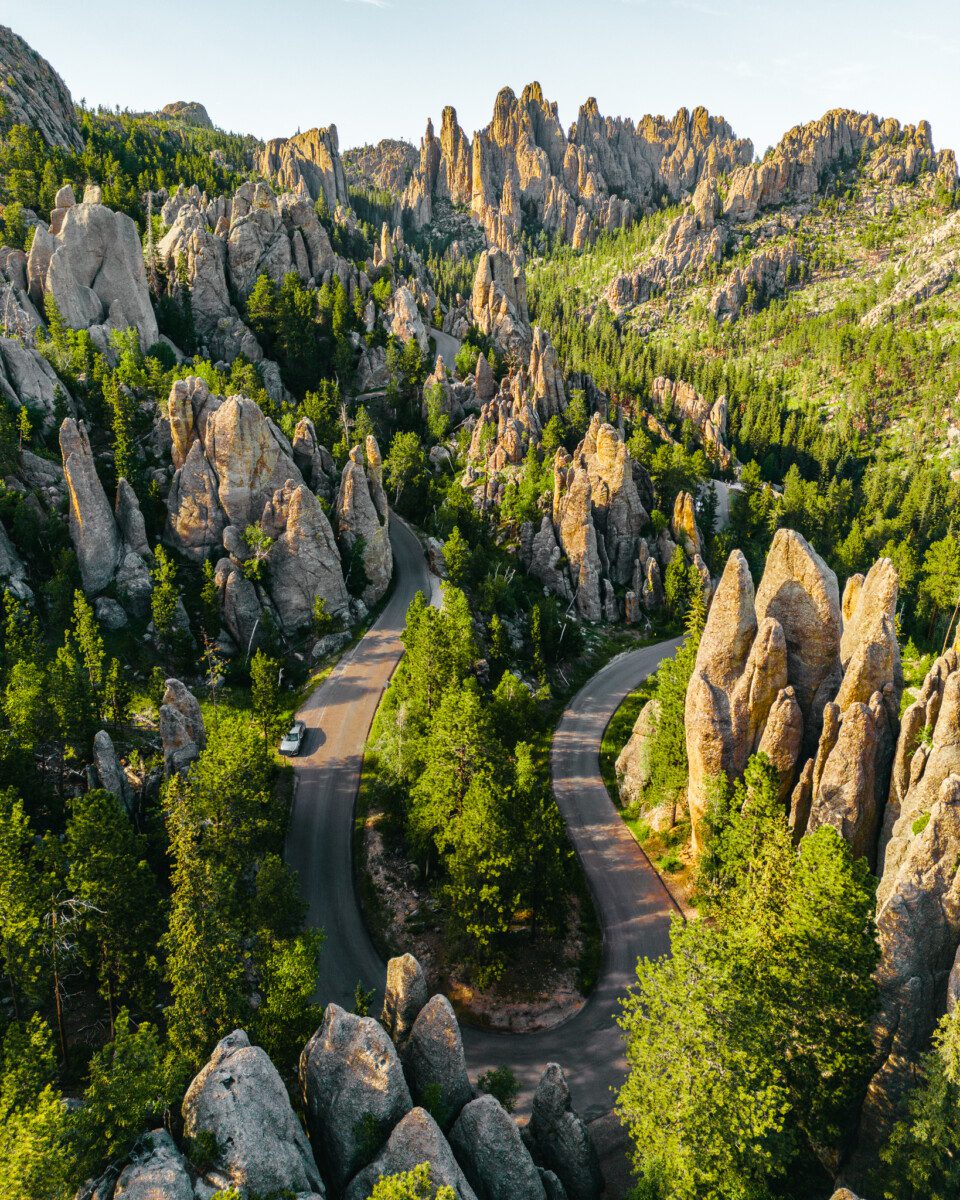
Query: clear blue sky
{"points": [[378, 68]]}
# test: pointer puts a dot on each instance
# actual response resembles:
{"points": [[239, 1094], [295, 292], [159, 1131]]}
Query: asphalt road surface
{"points": [[635, 908]]}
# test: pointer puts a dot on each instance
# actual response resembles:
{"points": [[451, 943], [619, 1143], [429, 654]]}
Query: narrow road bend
{"points": [[634, 906]]}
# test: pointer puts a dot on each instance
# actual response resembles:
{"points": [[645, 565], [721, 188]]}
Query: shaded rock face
{"points": [[434, 1063], [93, 529], [234, 469], [157, 1169], [594, 178], [37, 96], [558, 1138], [91, 262], [354, 1092], [308, 163], [487, 1143], [13, 572], [633, 762], [416, 1139], [182, 731], [109, 771], [918, 925], [362, 513], [406, 994], [26, 378], [240, 1100]]}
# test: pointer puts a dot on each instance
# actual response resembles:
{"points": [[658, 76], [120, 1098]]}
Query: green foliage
{"points": [[410, 1185], [921, 1160], [165, 597], [763, 1010], [501, 1083]]}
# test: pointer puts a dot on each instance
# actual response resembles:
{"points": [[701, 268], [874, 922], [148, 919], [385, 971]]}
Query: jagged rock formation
{"points": [[182, 732], [354, 1091], [807, 155], [494, 1158], [434, 1063], [238, 1100], [226, 243], [709, 420], [90, 261], [190, 112], [387, 166], [308, 163], [593, 540], [597, 176], [776, 673], [234, 468], [918, 898], [361, 1121], [499, 302], [34, 94], [93, 530], [363, 514], [416, 1139], [559, 1140], [780, 674], [405, 320], [767, 274]]}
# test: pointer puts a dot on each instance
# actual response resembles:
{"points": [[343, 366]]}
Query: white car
{"points": [[293, 738]]}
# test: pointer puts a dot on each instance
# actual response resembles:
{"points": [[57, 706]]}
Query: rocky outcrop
{"points": [[308, 163], [597, 519], [13, 572], [709, 420], [799, 591], [499, 303], [809, 156], [768, 274], [634, 760], [33, 94], [405, 995], [90, 261], [238, 1100], [110, 774], [235, 469], [558, 1138], [189, 112], [93, 530], [354, 1092], [182, 731], [918, 925], [405, 320], [387, 166], [26, 378], [416, 1139], [434, 1063], [498, 1165], [545, 375], [156, 1169], [362, 514], [576, 184]]}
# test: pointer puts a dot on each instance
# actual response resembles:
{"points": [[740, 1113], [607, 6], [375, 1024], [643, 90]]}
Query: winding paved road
{"points": [[635, 908]]}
